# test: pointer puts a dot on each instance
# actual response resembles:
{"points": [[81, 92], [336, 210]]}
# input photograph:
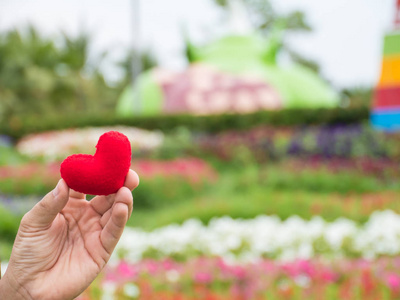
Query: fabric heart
{"points": [[102, 173]]}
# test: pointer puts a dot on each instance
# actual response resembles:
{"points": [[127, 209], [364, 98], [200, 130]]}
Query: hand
{"points": [[65, 241]]}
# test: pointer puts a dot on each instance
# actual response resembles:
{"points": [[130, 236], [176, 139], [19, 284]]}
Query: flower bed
{"points": [[55, 145], [266, 237], [36, 178], [271, 143], [5, 141], [192, 169], [214, 279], [382, 168]]}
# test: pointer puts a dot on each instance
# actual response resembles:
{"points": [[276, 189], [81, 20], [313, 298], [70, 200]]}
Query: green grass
{"points": [[323, 181], [9, 156], [250, 191], [282, 178], [261, 200], [5, 250], [9, 224], [34, 186]]}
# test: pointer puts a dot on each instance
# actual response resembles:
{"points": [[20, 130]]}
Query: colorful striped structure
{"points": [[386, 107]]}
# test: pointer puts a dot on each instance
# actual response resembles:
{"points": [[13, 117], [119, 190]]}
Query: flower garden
{"points": [[289, 212], [258, 179]]}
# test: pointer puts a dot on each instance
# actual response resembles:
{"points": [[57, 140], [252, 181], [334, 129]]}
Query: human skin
{"points": [[64, 242]]}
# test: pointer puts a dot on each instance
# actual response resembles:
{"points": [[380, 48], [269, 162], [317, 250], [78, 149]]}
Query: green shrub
{"points": [[322, 181], [151, 193], [161, 192], [9, 156], [23, 125], [34, 186], [9, 223], [39, 76]]}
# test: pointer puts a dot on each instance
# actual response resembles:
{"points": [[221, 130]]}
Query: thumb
{"points": [[46, 210]]}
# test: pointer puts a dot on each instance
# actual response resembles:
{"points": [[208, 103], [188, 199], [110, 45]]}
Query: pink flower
{"points": [[239, 272], [168, 264], [152, 267], [203, 277], [193, 169], [393, 281], [299, 267], [111, 276], [328, 276], [126, 271]]}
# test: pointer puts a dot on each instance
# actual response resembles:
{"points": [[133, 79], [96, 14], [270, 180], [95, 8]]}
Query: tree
{"points": [[41, 76], [147, 61], [266, 19]]}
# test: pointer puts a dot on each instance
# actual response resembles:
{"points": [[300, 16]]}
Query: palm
{"points": [[60, 260]]}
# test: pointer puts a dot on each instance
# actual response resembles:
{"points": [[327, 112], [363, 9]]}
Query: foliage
{"points": [[9, 223], [147, 61], [371, 151], [174, 190], [264, 16], [245, 192], [8, 156], [159, 192], [339, 141], [221, 2], [272, 202], [24, 125], [357, 96], [179, 142], [266, 19], [176, 180], [41, 76]]}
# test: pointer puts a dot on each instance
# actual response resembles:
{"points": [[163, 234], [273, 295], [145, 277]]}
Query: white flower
{"points": [[249, 240], [58, 144], [302, 281], [172, 275], [336, 232], [109, 289], [4, 266], [131, 290]]}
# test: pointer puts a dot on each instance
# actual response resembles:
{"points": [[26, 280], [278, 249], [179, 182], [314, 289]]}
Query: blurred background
{"points": [[265, 133]]}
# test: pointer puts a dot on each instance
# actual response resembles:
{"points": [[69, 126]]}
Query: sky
{"points": [[346, 39]]}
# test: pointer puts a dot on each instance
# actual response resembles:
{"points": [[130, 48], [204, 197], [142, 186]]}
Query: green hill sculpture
{"points": [[235, 74]]}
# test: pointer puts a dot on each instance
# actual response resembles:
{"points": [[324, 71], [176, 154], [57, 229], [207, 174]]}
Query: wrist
{"points": [[10, 289]]}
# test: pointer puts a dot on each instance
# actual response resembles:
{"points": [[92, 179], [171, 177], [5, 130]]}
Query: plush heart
{"points": [[102, 173]]}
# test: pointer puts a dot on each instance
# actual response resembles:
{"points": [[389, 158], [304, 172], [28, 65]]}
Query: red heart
{"points": [[102, 173]]}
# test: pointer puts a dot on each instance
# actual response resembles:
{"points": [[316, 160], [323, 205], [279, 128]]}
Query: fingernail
{"points": [[56, 191]]}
